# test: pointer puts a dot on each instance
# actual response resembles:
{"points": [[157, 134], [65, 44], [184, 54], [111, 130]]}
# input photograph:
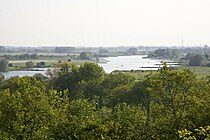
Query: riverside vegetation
{"points": [[86, 103]]}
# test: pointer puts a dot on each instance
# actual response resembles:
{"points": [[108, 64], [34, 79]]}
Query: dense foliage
{"points": [[21, 56], [64, 49], [165, 53], [4, 65], [86, 55], [29, 64], [2, 49], [195, 59], [84, 102]]}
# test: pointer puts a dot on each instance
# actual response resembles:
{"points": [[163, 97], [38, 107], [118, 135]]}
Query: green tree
{"points": [[140, 95], [87, 122], [188, 56], [4, 65], [89, 78], [171, 92], [63, 76], [196, 60], [41, 64], [2, 49], [206, 56], [29, 64], [86, 55], [90, 71], [1, 77], [133, 51], [199, 113], [116, 88], [65, 49], [201, 133], [28, 111]]}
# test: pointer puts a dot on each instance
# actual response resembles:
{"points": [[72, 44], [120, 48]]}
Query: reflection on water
{"points": [[23, 73], [135, 62]]}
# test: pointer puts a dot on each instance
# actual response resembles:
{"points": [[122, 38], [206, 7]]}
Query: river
{"points": [[24, 73], [134, 62]]}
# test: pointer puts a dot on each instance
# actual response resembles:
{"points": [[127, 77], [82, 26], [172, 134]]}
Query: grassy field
{"points": [[49, 58], [198, 70], [140, 75], [20, 64]]}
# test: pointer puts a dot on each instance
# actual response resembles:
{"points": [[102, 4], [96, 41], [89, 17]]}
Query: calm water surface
{"points": [[135, 62], [23, 73]]}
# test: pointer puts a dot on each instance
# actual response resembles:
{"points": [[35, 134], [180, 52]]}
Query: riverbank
{"points": [[120, 63]]}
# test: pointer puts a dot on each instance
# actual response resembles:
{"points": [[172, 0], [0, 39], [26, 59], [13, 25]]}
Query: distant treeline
{"points": [[65, 49], [2, 49], [165, 53], [195, 59], [21, 57]]}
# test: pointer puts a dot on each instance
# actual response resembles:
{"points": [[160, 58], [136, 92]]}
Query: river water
{"points": [[134, 62], [24, 73]]}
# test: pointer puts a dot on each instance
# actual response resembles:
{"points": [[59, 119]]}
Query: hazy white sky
{"points": [[104, 22]]}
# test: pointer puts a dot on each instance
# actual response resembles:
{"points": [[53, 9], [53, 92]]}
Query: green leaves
{"points": [[29, 64], [89, 104], [4, 65], [198, 134], [172, 97], [27, 111]]}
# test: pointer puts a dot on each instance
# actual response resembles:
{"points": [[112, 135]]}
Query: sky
{"points": [[104, 22]]}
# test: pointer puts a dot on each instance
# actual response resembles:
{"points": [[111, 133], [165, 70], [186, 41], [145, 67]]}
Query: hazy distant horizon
{"points": [[121, 46], [104, 23]]}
